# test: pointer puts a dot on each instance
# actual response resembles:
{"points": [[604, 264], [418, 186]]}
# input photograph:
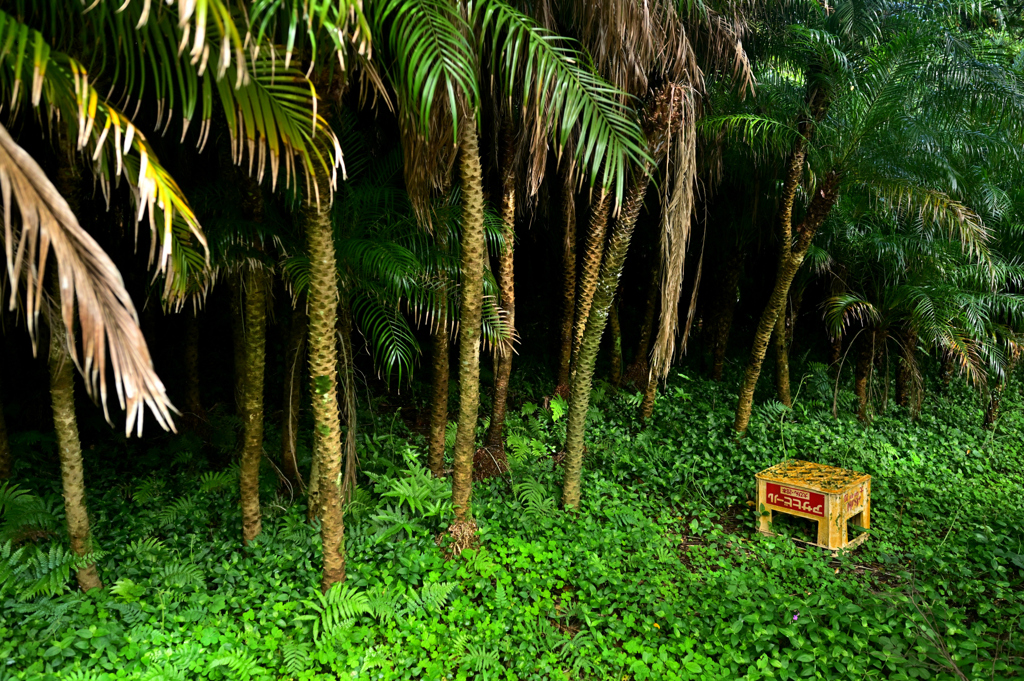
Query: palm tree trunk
{"points": [[237, 339], [347, 369], [835, 350], [996, 397], [593, 251], [473, 252], [795, 301], [607, 285], [62, 395], [439, 390], [945, 371], [791, 251], [780, 337], [724, 312], [568, 283], [992, 410], [6, 461], [323, 371], [255, 306], [297, 330], [862, 373], [616, 331], [647, 404], [496, 432], [62, 400], [790, 259]]}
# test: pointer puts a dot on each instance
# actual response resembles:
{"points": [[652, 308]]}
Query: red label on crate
{"points": [[796, 499]]}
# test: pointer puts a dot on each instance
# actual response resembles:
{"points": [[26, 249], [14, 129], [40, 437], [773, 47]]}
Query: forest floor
{"points": [[660, 575]]}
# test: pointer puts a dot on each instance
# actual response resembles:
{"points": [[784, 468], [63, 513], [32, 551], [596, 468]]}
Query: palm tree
{"points": [[271, 115], [428, 43], [867, 70], [568, 216], [911, 292], [294, 355], [651, 56], [495, 441]]}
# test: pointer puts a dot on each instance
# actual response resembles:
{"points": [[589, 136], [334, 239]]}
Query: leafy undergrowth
{"points": [[660, 574]]}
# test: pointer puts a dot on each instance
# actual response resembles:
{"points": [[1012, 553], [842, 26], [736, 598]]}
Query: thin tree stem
{"points": [[506, 280], [568, 282]]}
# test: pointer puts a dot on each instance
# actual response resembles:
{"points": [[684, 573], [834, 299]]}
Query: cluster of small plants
{"points": [[660, 575]]}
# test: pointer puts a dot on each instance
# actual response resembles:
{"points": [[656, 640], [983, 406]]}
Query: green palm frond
{"points": [[338, 25], [273, 117], [936, 208], [765, 135], [392, 344], [34, 75], [270, 105], [571, 99], [434, 60], [202, 22], [844, 309]]}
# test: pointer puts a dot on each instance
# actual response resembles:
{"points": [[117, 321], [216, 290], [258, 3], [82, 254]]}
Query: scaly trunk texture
{"points": [[724, 312], [607, 285], [616, 330], [473, 252], [791, 251], [255, 305], [195, 415], [298, 327], [348, 398], [789, 262], [639, 370], [237, 339], [62, 399], [439, 391], [593, 251], [323, 371], [6, 462], [905, 367], [62, 394], [647, 405], [780, 338], [862, 374], [568, 283], [506, 279]]}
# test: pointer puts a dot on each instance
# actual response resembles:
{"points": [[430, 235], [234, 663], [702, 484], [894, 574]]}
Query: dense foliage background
{"points": [[468, 326], [661, 574]]}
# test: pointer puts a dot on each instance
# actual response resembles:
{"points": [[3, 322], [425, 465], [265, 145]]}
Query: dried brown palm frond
{"points": [[87, 277], [626, 38], [428, 161], [717, 37], [676, 222], [62, 90]]}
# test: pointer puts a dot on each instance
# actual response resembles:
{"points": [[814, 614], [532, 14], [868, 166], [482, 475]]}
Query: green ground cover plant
{"points": [[660, 574]]}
